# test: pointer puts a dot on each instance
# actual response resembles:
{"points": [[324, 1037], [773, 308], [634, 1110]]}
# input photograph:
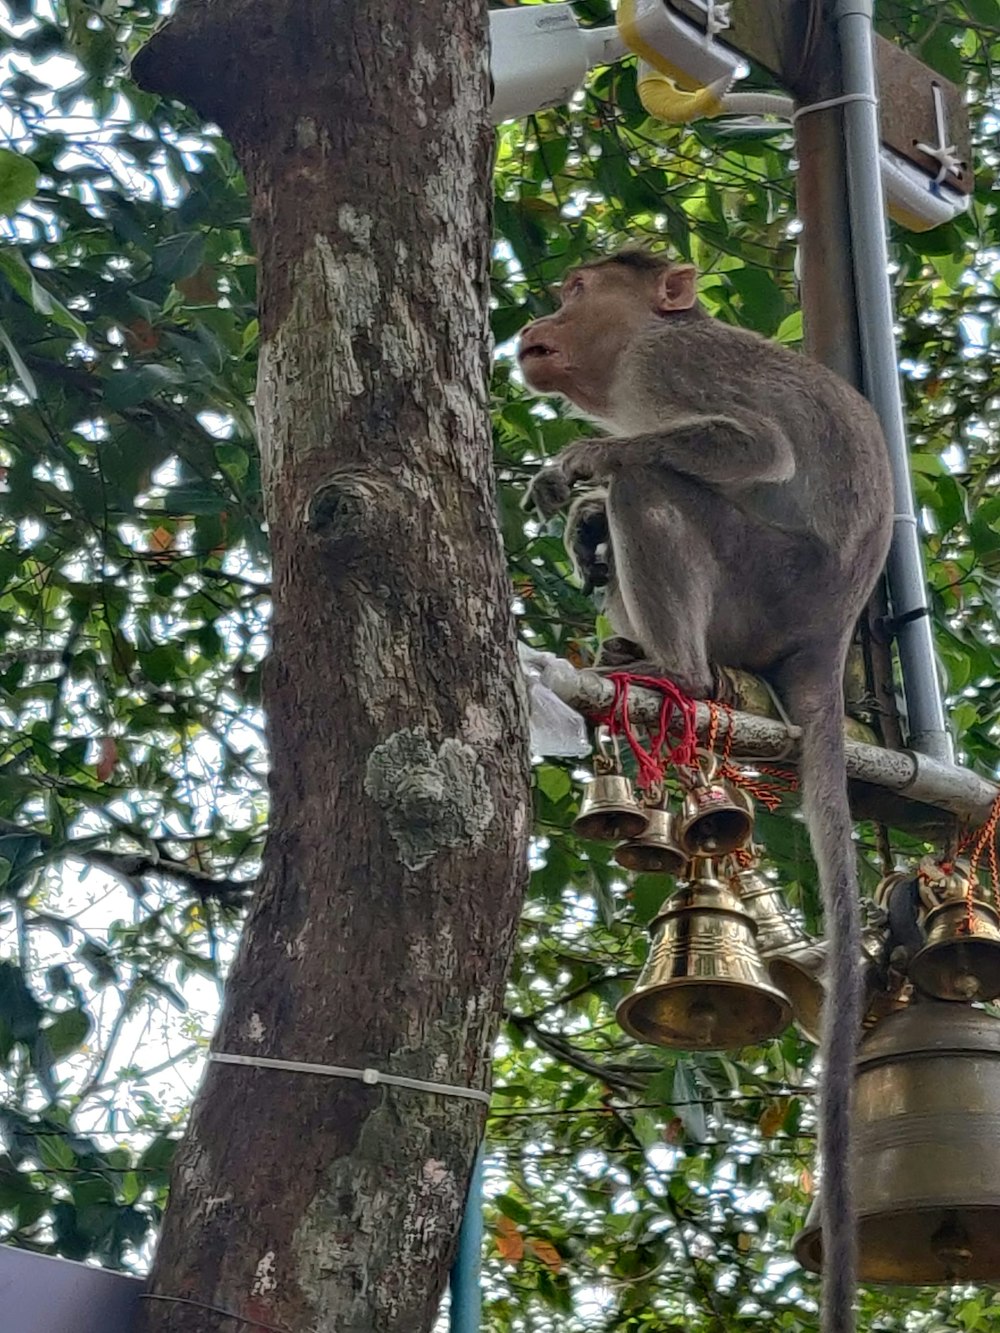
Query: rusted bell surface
{"points": [[961, 959], [704, 987], [609, 811], [927, 1168], [656, 849], [715, 819]]}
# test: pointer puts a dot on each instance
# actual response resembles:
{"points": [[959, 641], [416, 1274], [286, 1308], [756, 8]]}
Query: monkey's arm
{"points": [[717, 450]]}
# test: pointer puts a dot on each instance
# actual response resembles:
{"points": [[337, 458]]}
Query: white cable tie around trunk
{"points": [[370, 1077]]}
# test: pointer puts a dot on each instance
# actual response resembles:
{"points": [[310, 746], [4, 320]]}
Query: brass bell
{"points": [[777, 929], [609, 811], [656, 850], [704, 987], [926, 1166], [794, 960], [716, 818], [961, 959]]}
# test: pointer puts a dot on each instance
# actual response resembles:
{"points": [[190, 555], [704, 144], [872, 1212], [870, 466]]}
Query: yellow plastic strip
{"points": [[661, 97]]}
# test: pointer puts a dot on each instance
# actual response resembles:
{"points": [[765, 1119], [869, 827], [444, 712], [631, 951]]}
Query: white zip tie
{"points": [[832, 102], [945, 154], [370, 1077]]}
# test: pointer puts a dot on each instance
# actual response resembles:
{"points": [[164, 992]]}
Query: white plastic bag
{"points": [[556, 729]]}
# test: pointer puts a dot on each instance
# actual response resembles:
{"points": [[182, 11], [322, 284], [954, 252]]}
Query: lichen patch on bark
{"points": [[430, 799]]}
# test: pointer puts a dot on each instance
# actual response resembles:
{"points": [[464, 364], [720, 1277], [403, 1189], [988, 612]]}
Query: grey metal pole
{"points": [[928, 730]]}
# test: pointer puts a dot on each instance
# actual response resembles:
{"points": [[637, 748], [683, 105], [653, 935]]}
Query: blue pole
{"points": [[466, 1293]]}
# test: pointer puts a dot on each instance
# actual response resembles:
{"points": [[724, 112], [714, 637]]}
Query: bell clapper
{"points": [[951, 1245]]}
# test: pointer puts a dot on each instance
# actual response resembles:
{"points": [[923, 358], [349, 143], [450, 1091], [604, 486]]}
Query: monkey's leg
{"points": [[665, 576]]}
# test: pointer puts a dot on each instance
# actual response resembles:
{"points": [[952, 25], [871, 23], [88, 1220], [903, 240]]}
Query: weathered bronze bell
{"points": [[656, 850], [609, 811], [961, 959], [927, 1170], [716, 819], [704, 987]]}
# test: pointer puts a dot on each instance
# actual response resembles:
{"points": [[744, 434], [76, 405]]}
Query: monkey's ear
{"points": [[676, 289]]}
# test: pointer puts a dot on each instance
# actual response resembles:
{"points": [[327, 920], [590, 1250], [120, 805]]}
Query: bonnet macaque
{"points": [[743, 517]]}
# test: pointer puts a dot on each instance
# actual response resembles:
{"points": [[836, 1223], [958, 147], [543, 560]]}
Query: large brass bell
{"points": [[609, 811], [961, 959], [926, 1165], [656, 850], [795, 961], [716, 818], [704, 987]]}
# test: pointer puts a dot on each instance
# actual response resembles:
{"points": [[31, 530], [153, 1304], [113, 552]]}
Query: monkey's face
{"points": [[575, 352]]}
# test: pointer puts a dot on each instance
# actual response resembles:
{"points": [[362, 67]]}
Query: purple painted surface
{"points": [[42, 1294]]}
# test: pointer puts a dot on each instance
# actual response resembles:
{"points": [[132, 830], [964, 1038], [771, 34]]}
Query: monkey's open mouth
{"points": [[534, 350]]}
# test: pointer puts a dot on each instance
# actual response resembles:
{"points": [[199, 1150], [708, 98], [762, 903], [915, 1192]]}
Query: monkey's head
{"points": [[602, 306]]}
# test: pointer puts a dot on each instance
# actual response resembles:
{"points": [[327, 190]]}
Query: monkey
{"points": [[748, 506]]}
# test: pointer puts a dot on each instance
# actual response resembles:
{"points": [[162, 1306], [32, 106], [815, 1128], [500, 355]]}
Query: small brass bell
{"points": [[926, 1166], [716, 818], [609, 811], [656, 850], [704, 987], [961, 959]]}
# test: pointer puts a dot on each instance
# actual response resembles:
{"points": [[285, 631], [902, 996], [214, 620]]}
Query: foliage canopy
{"points": [[629, 1188]]}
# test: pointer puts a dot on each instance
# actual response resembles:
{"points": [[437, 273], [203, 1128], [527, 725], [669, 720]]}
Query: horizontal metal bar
{"points": [[922, 793]]}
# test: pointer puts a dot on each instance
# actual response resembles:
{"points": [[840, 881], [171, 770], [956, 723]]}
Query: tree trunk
{"points": [[394, 871]]}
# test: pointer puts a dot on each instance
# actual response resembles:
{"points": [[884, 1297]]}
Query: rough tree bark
{"points": [[394, 871]]}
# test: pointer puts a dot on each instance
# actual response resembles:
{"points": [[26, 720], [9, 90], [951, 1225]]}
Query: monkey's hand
{"points": [[548, 492], [584, 460]]}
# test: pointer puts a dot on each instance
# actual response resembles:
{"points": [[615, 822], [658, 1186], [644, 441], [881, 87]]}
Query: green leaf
{"points": [[179, 256], [18, 180], [23, 278], [20, 369], [67, 1033], [513, 1208], [129, 388], [55, 1152], [789, 331]]}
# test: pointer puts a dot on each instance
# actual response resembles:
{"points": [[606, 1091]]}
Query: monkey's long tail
{"points": [[813, 695]]}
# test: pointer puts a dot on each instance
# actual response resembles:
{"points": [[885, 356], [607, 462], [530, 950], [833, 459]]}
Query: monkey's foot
{"points": [[617, 653], [724, 689]]}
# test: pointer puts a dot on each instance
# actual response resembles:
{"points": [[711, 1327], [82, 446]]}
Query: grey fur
{"points": [[749, 505]]}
